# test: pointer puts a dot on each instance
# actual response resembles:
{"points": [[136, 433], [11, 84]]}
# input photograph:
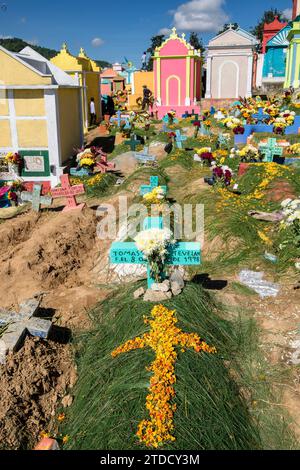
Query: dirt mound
{"points": [[32, 384], [281, 190], [40, 253]]}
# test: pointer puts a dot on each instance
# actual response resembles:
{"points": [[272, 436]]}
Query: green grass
{"points": [[110, 393]]}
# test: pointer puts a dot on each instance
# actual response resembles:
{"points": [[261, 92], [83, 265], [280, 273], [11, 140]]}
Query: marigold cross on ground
{"points": [[163, 338]]}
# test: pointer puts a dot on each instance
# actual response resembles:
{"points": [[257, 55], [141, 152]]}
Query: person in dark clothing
{"points": [[146, 98]]}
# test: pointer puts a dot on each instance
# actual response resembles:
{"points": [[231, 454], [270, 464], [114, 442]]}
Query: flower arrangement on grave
{"points": [[231, 122], [272, 110], [171, 117], [288, 116], [279, 126], [291, 226], [14, 161], [207, 124], [205, 153], [156, 196], [222, 174], [248, 154], [220, 156], [294, 149], [164, 338], [154, 243], [239, 130]]}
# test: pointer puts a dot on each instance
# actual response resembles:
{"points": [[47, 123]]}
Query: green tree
{"points": [[196, 42], [268, 17], [156, 41]]}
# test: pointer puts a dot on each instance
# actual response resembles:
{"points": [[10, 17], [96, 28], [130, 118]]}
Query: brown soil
{"points": [[32, 385]]}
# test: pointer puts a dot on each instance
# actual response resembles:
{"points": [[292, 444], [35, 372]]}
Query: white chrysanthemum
{"points": [[286, 202], [154, 240]]}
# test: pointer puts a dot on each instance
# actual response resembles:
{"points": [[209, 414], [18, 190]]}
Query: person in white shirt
{"points": [[93, 115], [144, 61]]}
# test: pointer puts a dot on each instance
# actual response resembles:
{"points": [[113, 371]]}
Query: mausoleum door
{"points": [[173, 91], [229, 80]]}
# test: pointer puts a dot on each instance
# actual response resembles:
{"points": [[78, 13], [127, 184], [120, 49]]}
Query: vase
{"points": [[14, 169]]}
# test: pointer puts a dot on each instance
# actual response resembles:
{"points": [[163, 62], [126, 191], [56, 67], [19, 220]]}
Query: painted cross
{"points": [[179, 254], [18, 325], [165, 129], [35, 198], [270, 150], [222, 140], [180, 139], [133, 143], [104, 165], [145, 189], [69, 192], [260, 116], [186, 115], [119, 119], [144, 156]]}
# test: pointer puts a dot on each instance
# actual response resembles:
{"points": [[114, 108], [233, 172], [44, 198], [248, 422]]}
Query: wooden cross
{"points": [[260, 116], [18, 325], [179, 254], [69, 192], [180, 139], [145, 189], [144, 156], [133, 143], [35, 198], [270, 150]]}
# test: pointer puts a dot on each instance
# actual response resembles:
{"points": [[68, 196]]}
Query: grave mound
{"points": [[32, 385]]}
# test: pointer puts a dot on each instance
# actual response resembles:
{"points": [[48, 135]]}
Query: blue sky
{"points": [[110, 30]]}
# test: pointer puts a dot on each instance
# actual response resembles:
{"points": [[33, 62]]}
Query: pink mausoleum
{"points": [[177, 76]]}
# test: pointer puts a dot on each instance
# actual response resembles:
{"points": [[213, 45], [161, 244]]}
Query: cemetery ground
{"points": [[244, 397]]}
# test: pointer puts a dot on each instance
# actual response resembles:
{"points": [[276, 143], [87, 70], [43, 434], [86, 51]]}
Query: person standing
{"points": [[146, 98], [93, 115], [144, 61]]}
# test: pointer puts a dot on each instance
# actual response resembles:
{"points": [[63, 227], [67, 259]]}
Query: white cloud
{"points": [[5, 37], [97, 42], [201, 16], [165, 31], [288, 13]]}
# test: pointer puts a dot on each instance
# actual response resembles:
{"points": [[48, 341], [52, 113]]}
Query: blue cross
{"points": [[260, 116], [179, 254], [179, 139], [144, 156], [145, 189], [119, 119]]}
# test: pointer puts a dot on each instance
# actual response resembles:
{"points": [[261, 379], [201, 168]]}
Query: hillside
{"points": [[17, 44]]}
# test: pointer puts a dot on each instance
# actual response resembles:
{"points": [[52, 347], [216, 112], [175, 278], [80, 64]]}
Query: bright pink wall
{"points": [[174, 47], [173, 67]]}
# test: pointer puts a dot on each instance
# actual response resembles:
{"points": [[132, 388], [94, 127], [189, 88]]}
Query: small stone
{"points": [[176, 289], [161, 287], [139, 293], [67, 401], [156, 296], [178, 277]]}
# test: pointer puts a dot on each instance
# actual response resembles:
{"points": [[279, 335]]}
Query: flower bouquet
{"points": [[222, 175], [14, 161], [239, 130], [156, 196], [154, 243], [249, 154], [206, 155]]}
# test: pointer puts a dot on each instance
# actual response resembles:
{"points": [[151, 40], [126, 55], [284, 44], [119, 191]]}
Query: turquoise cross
{"points": [[145, 189], [35, 198], [270, 150], [180, 139], [119, 119], [179, 254]]}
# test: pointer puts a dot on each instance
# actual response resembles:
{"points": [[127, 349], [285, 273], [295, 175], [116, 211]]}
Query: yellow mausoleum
{"points": [[139, 79], [87, 74], [40, 113]]}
